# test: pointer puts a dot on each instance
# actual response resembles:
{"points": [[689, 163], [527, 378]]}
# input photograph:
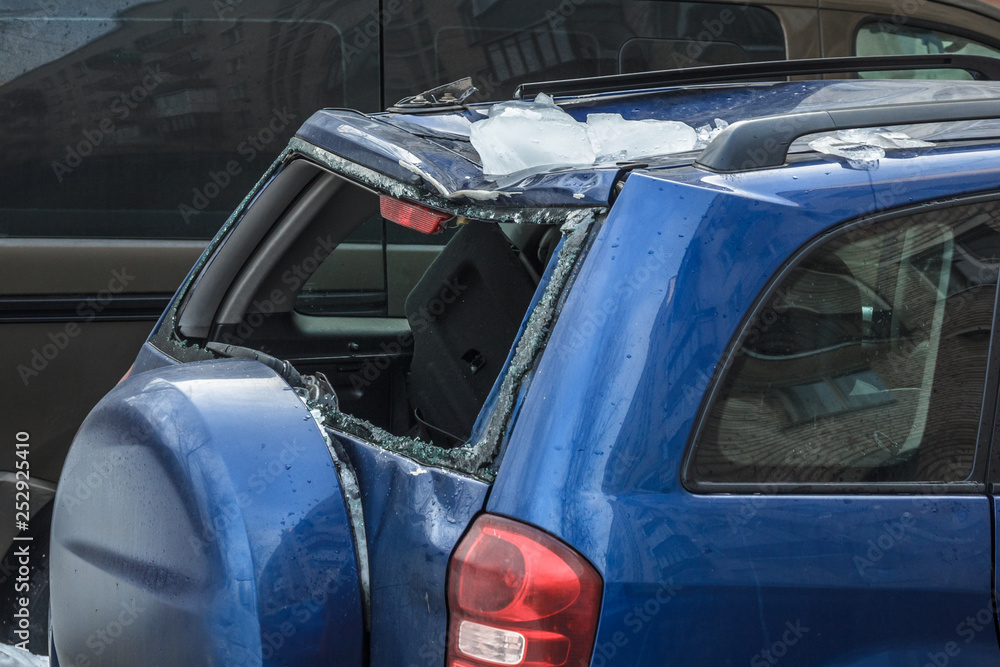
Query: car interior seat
{"points": [[464, 314]]}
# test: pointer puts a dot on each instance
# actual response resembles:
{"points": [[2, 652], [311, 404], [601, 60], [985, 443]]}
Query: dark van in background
{"points": [[130, 129]]}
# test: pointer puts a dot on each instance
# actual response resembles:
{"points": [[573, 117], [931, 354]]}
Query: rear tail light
{"points": [[419, 218], [518, 596]]}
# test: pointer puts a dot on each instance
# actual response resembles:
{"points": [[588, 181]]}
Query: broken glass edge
{"points": [[476, 458], [444, 200], [576, 223]]}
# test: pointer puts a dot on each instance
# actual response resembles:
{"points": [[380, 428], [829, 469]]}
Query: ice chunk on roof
{"points": [[615, 138], [706, 132], [520, 136], [851, 150], [864, 144], [882, 138], [526, 135]]}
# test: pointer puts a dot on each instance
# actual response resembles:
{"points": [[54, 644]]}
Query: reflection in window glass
{"points": [[156, 121], [503, 44], [868, 362], [883, 39]]}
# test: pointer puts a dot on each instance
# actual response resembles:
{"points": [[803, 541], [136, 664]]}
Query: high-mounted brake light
{"points": [[518, 596], [419, 218]]}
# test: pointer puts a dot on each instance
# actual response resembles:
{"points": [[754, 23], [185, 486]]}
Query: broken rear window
{"points": [[411, 330]]}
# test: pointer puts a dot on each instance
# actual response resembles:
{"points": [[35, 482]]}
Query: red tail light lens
{"points": [[418, 218], [518, 596]]}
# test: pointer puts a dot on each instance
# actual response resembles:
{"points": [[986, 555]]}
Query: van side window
{"points": [[883, 38], [867, 361], [502, 44], [149, 123]]}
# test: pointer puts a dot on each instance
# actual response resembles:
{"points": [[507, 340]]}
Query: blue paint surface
{"points": [[595, 454], [203, 498]]}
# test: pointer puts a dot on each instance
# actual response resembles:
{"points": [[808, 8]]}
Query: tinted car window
{"points": [[364, 276], [881, 38], [867, 362], [154, 119], [502, 44]]}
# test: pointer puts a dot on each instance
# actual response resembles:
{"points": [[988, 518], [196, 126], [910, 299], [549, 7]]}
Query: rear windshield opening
{"points": [[411, 330]]}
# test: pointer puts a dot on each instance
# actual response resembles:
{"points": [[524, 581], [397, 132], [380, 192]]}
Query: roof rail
{"points": [[762, 143], [983, 67]]}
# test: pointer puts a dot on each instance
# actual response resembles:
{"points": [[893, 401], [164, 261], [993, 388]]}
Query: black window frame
{"points": [[986, 462]]}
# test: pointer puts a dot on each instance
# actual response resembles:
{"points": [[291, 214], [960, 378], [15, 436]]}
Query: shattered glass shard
{"points": [[882, 138], [706, 133]]}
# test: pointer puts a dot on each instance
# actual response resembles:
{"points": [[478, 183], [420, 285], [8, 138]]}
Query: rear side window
{"points": [[867, 361], [883, 38], [502, 44]]}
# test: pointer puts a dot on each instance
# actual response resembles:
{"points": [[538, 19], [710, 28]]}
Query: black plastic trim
{"points": [[985, 67], [368, 303], [205, 295], [762, 143], [272, 247], [975, 485], [82, 308], [991, 406]]}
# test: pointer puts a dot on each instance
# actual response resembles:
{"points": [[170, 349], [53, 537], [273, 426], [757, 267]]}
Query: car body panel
{"points": [[414, 516], [597, 462]]}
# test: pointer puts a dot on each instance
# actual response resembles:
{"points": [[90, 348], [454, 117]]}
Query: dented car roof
{"points": [[429, 156]]}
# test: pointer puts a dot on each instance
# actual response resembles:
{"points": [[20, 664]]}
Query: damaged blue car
{"points": [[686, 367]]}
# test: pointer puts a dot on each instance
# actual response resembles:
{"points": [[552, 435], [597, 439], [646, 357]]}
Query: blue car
{"points": [[678, 368]]}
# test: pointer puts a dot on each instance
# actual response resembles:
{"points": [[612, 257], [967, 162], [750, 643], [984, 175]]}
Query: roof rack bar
{"points": [[762, 143], [983, 66]]}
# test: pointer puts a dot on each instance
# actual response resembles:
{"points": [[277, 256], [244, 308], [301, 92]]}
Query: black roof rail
{"points": [[983, 66], [762, 143]]}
